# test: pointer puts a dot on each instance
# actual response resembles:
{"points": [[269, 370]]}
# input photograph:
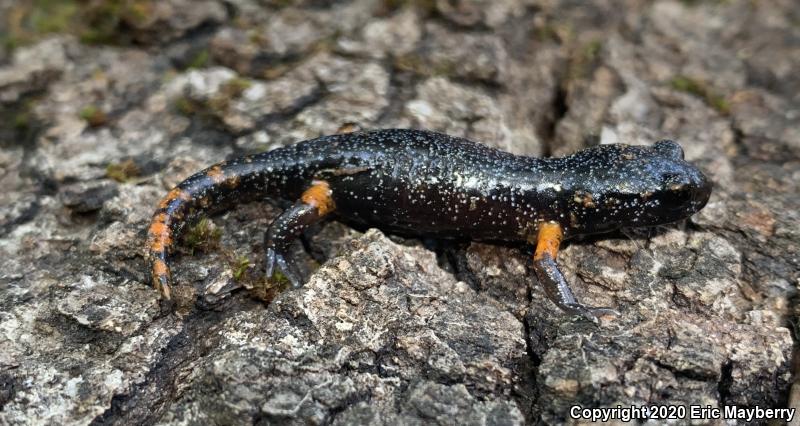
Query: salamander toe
{"points": [[592, 313], [287, 266]]}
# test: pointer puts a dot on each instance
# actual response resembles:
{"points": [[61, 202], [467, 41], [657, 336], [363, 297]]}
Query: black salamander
{"points": [[434, 185]]}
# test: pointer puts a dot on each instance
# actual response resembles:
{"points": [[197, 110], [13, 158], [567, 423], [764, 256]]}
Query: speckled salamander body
{"points": [[434, 185]]}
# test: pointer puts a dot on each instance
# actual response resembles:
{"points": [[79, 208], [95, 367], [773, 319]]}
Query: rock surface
{"points": [[386, 330]]}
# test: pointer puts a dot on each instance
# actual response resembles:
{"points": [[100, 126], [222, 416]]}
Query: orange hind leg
{"points": [[313, 206]]}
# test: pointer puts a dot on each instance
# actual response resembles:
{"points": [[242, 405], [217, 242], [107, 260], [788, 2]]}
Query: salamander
{"points": [[429, 184]]}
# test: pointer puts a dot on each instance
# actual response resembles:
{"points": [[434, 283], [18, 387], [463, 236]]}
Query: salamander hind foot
{"points": [[284, 263], [312, 207]]}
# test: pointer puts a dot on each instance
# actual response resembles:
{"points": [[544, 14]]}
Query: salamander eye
{"points": [[669, 148], [674, 182]]}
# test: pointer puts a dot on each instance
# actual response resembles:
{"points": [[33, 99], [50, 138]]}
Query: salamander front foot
{"points": [[558, 291], [592, 313], [555, 285]]}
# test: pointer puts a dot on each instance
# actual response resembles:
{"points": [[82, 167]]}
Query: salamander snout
{"points": [[684, 190], [685, 179], [700, 188]]}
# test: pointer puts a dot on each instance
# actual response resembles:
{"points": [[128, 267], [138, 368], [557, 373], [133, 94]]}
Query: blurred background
{"points": [[105, 105]]}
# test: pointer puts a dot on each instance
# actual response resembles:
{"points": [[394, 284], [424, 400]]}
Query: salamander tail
{"points": [[212, 189], [161, 237]]}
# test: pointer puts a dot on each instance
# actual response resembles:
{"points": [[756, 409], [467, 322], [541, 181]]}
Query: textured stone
{"points": [[87, 197], [380, 316], [458, 110], [265, 39], [479, 12], [481, 57], [31, 69], [390, 330], [396, 35]]}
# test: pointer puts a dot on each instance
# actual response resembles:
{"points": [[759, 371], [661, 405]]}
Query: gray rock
{"points": [[459, 110], [353, 91], [31, 69], [588, 103], [396, 35], [386, 331], [365, 326], [87, 196], [164, 21], [480, 57], [767, 125], [479, 12], [265, 39]]}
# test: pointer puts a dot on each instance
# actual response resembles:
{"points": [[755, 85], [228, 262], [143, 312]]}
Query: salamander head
{"points": [[628, 186]]}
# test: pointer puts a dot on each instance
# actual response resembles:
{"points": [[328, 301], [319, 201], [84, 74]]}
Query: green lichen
{"points": [[418, 65], [259, 286], [22, 121], [102, 21], [53, 16], [278, 278], [584, 59], [8, 42], [107, 22], [239, 267], [280, 4], [592, 49], [200, 60], [186, 106], [93, 115], [218, 104], [689, 85], [204, 236], [22, 117], [425, 6], [26, 22], [548, 32], [124, 171], [703, 91], [265, 288], [234, 87], [18, 122], [694, 3], [18, 118]]}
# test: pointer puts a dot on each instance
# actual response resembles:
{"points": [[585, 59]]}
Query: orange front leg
{"points": [[556, 287]]}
